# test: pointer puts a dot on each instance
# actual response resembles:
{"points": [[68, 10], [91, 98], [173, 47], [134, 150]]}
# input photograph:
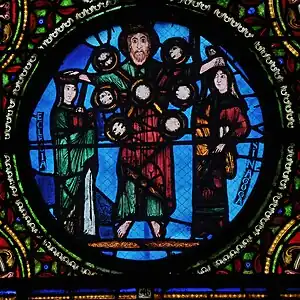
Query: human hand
{"points": [[219, 148], [218, 61], [223, 131]]}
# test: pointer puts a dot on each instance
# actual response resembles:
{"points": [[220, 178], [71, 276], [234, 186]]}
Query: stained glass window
{"points": [[149, 136]]}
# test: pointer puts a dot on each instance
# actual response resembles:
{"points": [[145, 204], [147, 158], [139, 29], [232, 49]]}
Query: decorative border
{"points": [[277, 23], [276, 77], [166, 296], [22, 17], [18, 248], [289, 229]]}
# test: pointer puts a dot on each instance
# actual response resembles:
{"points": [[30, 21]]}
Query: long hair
{"points": [[231, 83]]}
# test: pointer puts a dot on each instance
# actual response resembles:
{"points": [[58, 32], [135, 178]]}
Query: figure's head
{"points": [[138, 42], [176, 52], [70, 92], [221, 81], [139, 47], [66, 89]]}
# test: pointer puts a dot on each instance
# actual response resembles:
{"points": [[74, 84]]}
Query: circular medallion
{"points": [[148, 143], [105, 98]]}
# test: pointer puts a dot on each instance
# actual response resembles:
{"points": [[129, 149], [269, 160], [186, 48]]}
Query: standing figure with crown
{"points": [[221, 121]]}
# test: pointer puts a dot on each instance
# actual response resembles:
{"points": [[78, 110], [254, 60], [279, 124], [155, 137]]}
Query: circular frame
{"points": [[272, 161]]}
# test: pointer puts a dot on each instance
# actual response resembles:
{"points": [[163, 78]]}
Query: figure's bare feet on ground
{"points": [[156, 228], [122, 230]]}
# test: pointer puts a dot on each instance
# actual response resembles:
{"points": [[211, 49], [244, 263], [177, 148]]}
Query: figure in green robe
{"points": [[75, 160]]}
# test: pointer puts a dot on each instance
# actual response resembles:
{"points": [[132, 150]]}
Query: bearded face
{"points": [[139, 47]]}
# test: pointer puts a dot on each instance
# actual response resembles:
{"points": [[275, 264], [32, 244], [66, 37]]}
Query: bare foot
{"points": [[156, 228], [122, 230], [291, 272], [8, 275]]}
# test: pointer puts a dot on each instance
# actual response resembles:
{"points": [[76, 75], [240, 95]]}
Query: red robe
{"points": [[147, 162], [210, 201]]}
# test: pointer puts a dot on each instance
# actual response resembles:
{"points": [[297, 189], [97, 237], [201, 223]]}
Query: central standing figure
{"points": [[145, 165]]}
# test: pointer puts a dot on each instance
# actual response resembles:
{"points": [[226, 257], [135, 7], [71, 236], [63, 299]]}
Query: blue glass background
{"points": [[106, 181]]}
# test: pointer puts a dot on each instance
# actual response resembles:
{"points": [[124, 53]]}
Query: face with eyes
{"points": [[176, 52], [221, 82], [139, 47], [69, 93]]}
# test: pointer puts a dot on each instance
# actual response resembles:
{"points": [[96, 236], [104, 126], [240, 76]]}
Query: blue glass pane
{"points": [[243, 86], [178, 231], [107, 178], [169, 30], [141, 255], [189, 290], [232, 290], [203, 44], [78, 58], [183, 178]]}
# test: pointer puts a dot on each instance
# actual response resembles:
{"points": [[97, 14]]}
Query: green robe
{"points": [[71, 162], [131, 203]]}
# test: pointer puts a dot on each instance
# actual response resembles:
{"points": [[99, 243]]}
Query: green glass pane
{"points": [[54, 267], [288, 210], [256, 28], [17, 60], [242, 12], [40, 12], [37, 266], [229, 267], [27, 243], [279, 52], [223, 3], [5, 79], [58, 18], [261, 10], [66, 3], [19, 227], [248, 256], [40, 30]]}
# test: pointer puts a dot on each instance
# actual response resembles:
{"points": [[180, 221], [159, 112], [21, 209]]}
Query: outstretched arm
{"points": [[217, 61], [82, 77]]}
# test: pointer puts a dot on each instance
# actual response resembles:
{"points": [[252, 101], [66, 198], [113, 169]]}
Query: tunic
{"points": [[221, 119], [74, 154], [145, 162]]}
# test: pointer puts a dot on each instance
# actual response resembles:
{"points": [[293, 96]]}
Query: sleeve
{"points": [[238, 123], [109, 79]]}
